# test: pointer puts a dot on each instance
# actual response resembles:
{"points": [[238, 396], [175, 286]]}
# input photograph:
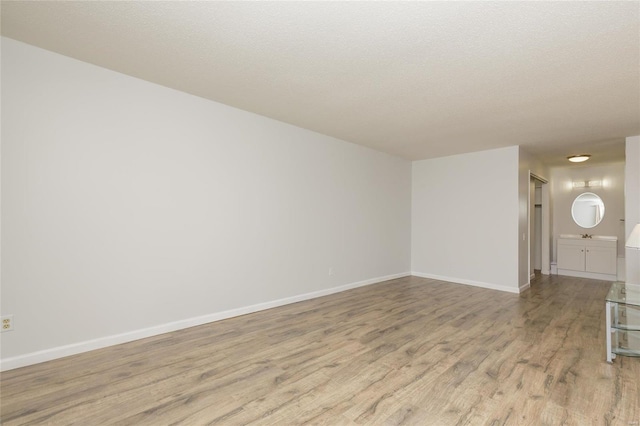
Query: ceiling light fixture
{"points": [[579, 158]]}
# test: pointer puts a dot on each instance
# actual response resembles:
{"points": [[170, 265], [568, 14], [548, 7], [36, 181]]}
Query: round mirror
{"points": [[587, 210]]}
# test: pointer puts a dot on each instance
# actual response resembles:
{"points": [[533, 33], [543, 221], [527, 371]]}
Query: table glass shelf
{"points": [[623, 320]]}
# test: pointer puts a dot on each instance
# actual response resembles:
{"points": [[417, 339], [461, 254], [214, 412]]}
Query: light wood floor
{"points": [[407, 351]]}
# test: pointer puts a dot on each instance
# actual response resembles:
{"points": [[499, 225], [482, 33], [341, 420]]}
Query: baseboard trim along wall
{"points": [[469, 282], [103, 342]]}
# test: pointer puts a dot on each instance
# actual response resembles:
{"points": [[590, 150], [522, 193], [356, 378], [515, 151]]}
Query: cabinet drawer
{"points": [[572, 242], [571, 256], [602, 260]]}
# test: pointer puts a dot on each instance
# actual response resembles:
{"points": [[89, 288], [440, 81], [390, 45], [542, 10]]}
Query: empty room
{"points": [[338, 213]]}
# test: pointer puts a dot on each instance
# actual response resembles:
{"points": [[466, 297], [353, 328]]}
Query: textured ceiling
{"points": [[415, 79]]}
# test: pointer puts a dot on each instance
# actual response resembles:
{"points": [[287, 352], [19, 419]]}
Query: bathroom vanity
{"points": [[593, 257], [585, 255]]}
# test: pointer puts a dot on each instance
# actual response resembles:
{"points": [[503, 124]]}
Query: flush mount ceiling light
{"points": [[579, 158]]}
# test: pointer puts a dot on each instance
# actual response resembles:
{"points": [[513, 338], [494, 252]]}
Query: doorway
{"points": [[539, 232]]}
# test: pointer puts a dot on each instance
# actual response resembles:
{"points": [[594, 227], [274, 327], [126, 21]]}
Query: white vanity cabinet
{"points": [[588, 258]]}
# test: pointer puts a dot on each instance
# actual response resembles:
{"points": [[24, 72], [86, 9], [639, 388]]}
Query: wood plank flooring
{"points": [[406, 351]]}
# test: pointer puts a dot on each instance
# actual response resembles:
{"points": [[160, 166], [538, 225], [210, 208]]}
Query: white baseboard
{"points": [[103, 342], [468, 282], [524, 287], [590, 275]]}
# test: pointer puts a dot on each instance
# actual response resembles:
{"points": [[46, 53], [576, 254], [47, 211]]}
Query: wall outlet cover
{"points": [[7, 323]]}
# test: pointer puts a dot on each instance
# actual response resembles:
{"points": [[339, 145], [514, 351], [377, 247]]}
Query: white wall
{"points": [[465, 218], [632, 205], [130, 209], [612, 194]]}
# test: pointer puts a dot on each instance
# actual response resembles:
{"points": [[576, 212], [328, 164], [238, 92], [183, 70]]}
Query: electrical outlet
{"points": [[331, 271], [7, 323]]}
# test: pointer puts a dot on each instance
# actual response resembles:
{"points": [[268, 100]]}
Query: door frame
{"points": [[546, 226]]}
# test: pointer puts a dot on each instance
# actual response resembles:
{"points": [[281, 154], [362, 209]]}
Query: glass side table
{"points": [[623, 320]]}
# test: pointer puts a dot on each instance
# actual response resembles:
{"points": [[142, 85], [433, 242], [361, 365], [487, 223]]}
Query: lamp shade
{"points": [[634, 239]]}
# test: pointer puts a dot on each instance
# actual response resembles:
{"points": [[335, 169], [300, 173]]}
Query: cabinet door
{"points": [[602, 260], [571, 257]]}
